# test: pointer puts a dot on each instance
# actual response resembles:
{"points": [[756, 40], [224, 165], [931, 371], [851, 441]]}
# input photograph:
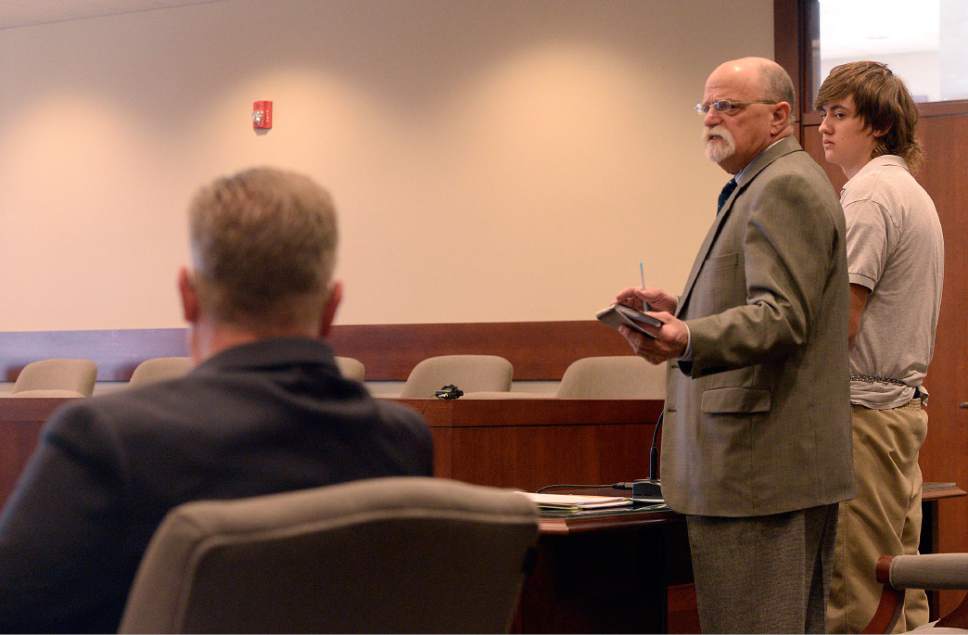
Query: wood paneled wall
{"points": [[943, 131], [538, 350]]}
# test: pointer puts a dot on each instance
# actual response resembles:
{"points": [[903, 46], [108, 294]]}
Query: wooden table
{"points": [[617, 572], [630, 571], [530, 443]]}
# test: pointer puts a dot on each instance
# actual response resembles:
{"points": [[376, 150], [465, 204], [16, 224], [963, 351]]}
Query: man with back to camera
{"points": [[756, 443], [265, 411], [895, 260]]}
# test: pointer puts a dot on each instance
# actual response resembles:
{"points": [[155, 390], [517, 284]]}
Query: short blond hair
{"points": [[263, 245]]}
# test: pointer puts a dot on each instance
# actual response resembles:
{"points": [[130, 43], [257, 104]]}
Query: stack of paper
{"points": [[572, 502]]}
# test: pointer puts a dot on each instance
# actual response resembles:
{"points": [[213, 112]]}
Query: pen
{"points": [[645, 305]]}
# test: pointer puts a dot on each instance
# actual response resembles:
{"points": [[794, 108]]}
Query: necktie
{"points": [[727, 190]]}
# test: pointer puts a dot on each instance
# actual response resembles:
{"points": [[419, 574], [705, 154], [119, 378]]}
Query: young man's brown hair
{"points": [[883, 103]]}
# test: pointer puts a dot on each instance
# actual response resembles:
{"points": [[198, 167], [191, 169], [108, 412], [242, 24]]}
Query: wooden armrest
{"points": [[888, 611], [892, 603], [892, 600], [883, 569]]}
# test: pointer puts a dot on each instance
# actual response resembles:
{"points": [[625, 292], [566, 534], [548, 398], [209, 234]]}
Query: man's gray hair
{"points": [[263, 245], [778, 86]]}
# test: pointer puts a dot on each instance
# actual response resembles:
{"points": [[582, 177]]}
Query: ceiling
{"points": [[17, 13], [848, 27]]}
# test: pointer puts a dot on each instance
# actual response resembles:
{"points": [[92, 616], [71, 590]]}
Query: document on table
{"points": [[574, 502]]}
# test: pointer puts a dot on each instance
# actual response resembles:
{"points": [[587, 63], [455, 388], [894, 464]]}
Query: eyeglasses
{"points": [[729, 106]]}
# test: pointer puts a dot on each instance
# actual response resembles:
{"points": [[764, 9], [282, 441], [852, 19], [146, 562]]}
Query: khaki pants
{"points": [[883, 519]]}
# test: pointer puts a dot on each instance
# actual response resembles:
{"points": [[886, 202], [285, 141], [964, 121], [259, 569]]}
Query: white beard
{"points": [[718, 150]]}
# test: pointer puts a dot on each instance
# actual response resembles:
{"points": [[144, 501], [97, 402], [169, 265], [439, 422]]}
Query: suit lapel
{"points": [[771, 154], [704, 250]]}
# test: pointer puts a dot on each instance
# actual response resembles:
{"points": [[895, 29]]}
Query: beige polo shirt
{"points": [[896, 250]]}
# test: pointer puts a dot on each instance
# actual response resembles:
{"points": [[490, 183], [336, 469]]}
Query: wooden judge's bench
{"points": [[524, 443]]}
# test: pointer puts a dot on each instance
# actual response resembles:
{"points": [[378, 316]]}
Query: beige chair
{"points": [[470, 373], [56, 378], [927, 571], [389, 555], [615, 377], [160, 369], [351, 368]]}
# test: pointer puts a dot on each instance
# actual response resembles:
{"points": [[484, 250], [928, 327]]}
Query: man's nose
{"points": [[712, 118]]}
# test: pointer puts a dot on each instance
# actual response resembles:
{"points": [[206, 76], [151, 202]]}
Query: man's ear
{"points": [[329, 311], [781, 117], [189, 296]]}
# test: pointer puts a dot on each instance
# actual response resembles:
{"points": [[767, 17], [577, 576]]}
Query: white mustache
{"points": [[716, 131], [723, 148]]}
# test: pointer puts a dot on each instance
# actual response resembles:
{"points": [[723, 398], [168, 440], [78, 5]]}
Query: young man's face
{"points": [[847, 142]]}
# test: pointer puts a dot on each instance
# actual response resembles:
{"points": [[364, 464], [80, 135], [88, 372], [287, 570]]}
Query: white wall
{"points": [[492, 161], [919, 70]]}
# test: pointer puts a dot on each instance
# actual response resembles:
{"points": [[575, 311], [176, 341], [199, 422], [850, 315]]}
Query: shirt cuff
{"points": [[687, 354], [862, 280]]}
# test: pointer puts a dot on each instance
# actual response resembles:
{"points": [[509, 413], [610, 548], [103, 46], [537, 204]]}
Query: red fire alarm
{"points": [[262, 115]]}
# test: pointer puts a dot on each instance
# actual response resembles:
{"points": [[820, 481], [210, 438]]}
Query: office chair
{"points": [[612, 377], [160, 369], [926, 571], [388, 555], [351, 368], [470, 373], [56, 378]]}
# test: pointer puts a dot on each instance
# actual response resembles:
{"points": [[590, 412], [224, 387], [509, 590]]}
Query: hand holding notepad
{"points": [[620, 315]]}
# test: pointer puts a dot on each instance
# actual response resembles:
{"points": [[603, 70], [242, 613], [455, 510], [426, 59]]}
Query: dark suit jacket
{"points": [[758, 421], [266, 417]]}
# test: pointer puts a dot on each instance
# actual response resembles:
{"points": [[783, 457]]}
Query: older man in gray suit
{"points": [[756, 447]]}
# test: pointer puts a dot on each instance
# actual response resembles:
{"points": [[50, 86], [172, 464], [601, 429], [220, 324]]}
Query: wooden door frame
{"points": [[943, 130], [796, 35]]}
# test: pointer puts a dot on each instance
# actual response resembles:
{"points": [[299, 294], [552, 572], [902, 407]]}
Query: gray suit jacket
{"points": [[758, 421]]}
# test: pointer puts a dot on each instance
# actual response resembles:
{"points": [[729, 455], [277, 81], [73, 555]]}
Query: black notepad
{"points": [[619, 315]]}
